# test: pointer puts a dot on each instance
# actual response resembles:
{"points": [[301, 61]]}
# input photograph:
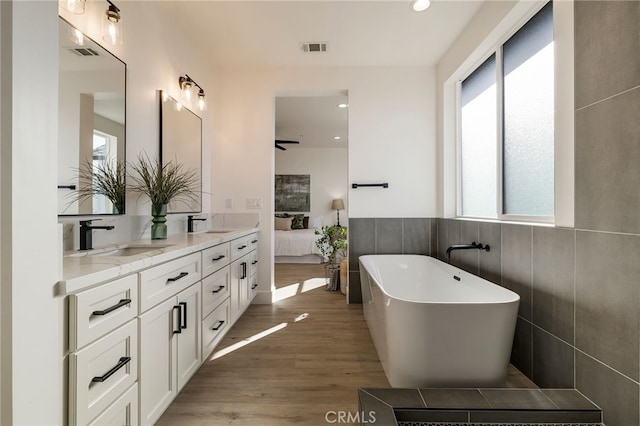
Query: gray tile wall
{"points": [[385, 236], [579, 319]]}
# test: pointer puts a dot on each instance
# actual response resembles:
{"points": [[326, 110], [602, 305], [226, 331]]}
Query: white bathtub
{"points": [[434, 325]]}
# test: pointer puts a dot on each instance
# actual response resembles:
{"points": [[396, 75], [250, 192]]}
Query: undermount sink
{"points": [[219, 231], [127, 250]]}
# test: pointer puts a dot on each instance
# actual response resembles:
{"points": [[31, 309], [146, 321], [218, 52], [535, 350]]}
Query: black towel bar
{"points": [[361, 185]]}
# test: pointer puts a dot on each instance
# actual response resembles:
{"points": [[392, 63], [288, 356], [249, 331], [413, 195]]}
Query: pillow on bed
{"points": [[296, 223], [305, 222], [283, 223], [315, 222]]}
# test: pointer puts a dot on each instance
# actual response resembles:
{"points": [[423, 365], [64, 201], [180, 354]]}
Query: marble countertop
{"points": [[83, 271]]}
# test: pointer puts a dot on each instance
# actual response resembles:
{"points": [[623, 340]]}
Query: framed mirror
{"points": [[91, 124], [181, 142]]}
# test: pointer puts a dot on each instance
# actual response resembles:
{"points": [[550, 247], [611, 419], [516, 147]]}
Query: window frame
{"points": [[497, 49]]}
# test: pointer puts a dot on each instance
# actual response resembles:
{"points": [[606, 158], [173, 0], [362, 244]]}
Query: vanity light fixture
{"points": [[188, 87], [73, 6], [112, 25], [420, 5]]}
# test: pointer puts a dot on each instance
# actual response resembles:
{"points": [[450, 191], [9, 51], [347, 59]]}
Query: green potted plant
{"points": [[162, 183], [105, 178], [333, 247]]}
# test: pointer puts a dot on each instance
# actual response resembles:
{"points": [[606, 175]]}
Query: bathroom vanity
{"points": [[144, 316]]}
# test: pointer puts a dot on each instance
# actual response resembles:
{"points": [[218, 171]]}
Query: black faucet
{"points": [[190, 220], [86, 242], [473, 245]]}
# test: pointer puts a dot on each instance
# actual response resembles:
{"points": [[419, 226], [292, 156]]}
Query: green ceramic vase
{"points": [[159, 227]]}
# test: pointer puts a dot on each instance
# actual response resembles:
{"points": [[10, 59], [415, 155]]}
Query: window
{"points": [[506, 127]]}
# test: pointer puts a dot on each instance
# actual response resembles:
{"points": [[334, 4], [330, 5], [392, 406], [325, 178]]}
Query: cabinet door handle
{"points": [[179, 330], [244, 270], [254, 286], [215, 259], [120, 304], [183, 321], [177, 277], [254, 262], [254, 241], [123, 361], [242, 247], [217, 327], [218, 289]]}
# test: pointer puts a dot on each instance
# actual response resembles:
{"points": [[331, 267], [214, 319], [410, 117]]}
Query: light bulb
{"points": [[187, 91], [202, 101], [420, 5], [112, 26], [73, 6]]}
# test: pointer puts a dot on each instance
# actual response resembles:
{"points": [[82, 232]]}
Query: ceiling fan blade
{"points": [[281, 147], [282, 141]]}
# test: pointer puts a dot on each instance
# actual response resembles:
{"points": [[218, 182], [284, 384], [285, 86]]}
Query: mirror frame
{"points": [[162, 98], [124, 144]]}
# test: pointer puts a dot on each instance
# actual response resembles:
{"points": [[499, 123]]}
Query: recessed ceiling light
{"points": [[336, 138], [420, 5], [343, 105]]}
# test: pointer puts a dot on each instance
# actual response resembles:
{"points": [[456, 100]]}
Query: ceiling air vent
{"points": [[84, 51], [313, 46]]}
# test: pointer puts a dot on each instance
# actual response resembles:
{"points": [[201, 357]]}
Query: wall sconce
{"points": [[188, 87], [73, 6], [112, 25], [337, 204]]}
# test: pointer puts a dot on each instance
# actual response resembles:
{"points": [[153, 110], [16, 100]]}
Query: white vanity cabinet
{"points": [[241, 274], [103, 339], [169, 341], [137, 339]]}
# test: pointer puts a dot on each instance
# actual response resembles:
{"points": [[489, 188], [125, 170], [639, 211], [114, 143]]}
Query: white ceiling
{"points": [[358, 33], [313, 121]]}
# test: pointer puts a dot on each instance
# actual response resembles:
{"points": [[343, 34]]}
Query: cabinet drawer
{"points": [[95, 312], [124, 411], [100, 373], [253, 261], [253, 241], [163, 281], [240, 247], [215, 258], [215, 288], [214, 327]]}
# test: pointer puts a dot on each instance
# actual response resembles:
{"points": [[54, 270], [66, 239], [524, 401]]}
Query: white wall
{"points": [[32, 315], [391, 139], [328, 170]]}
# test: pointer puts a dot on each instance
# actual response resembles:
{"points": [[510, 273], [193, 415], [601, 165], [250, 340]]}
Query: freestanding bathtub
{"points": [[434, 325]]}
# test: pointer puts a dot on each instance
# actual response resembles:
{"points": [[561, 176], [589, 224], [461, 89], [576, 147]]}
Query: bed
{"points": [[296, 246]]}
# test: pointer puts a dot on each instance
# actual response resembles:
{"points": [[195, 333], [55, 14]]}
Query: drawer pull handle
{"points": [[183, 321], [254, 262], [120, 304], [217, 327], [215, 259], [254, 286], [123, 361], [176, 278], [218, 289], [242, 247], [179, 330], [254, 241]]}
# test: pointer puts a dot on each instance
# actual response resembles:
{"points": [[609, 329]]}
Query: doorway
{"points": [[311, 175]]}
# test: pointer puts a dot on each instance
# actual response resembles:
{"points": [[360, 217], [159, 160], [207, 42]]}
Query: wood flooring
{"points": [[294, 361]]}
